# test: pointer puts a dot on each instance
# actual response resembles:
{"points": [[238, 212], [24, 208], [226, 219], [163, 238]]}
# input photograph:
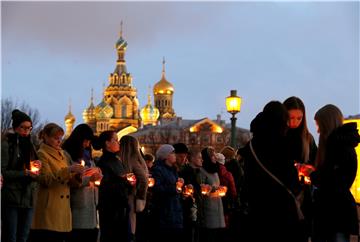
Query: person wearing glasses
{"points": [[19, 180]]}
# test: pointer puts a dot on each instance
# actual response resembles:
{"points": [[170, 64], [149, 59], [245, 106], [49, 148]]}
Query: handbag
{"points": [[297, 200]]}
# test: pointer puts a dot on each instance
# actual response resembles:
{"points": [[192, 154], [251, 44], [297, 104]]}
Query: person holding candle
{"points": [[83, 198], [113, 190], [213, 221], [167, 211], [271, 181], [20, 179], [52, 218], [191, 204], [335, 210], [134, 163], [302, 150]]}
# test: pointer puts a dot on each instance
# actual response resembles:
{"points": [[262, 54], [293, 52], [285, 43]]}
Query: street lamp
{"points": [[233, 105]]}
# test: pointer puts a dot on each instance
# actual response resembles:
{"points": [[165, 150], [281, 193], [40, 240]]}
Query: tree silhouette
{"points": [[8, 105]]}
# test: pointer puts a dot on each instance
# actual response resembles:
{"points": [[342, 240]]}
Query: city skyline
{"points": [[266, 51]]}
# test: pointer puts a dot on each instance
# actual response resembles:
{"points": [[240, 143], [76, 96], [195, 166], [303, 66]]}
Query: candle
{"points": [[205, 189], [221, 191], [188, 190], [131, 178], [82, 163], [151, 182], [34, 168], [97, 183], [179, 184]]}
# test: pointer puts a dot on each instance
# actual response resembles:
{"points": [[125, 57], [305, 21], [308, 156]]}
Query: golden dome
{"points": [[69, 118], [149, 114], [163, 86]]}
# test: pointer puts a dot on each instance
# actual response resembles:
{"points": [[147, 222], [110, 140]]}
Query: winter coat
{"points": [[335, 206], [213, 212], [18, 189], [52, 210], [113, 190], [167, 209], [272, 211], [84, 200]]}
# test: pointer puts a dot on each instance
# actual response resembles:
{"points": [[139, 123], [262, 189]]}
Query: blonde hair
{"points": [[130, 152], [50, 130], [327, 118]]}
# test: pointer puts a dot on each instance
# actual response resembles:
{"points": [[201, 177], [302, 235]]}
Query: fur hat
{"points": [[228, 152], [18, 117], [220, 158], [164, 151]]}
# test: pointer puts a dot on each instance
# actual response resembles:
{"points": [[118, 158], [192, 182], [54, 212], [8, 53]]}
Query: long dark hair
{"points": [[100, 142], [74, 144], [292, 103]]}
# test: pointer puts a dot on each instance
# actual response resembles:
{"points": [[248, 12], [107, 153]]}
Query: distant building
{"points": [[120, 106], [155, 124], [197, 134]]}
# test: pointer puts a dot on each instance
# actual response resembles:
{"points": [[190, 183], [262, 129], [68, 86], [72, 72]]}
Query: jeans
{"points": [[16, 223]]}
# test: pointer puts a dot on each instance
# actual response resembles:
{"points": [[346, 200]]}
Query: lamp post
{"points": [[233, 105]]}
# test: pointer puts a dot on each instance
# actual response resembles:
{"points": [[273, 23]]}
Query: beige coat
{"points": [[52, 208]]}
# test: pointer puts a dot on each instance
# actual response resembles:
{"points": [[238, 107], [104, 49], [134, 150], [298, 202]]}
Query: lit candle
{"points": [[221, 191], [97, 183], [151, 182], [33, 167], [205, 189], [82, 163], [188, 190], [179, 184], [131, 178]]}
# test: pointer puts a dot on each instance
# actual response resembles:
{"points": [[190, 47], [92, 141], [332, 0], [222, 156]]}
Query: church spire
{"points": [[121, 29], [163, 68]]}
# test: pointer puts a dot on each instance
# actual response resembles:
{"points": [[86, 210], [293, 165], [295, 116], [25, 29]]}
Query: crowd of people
{"points": [[279, 186]]}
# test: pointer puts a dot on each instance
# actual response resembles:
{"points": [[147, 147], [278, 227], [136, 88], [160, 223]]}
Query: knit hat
{"points": [[18, 117], [164, 151], [180, 148], [228, 152], [220, 158]]}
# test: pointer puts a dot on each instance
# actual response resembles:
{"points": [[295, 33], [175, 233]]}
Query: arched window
{"points": [[123, 111]]}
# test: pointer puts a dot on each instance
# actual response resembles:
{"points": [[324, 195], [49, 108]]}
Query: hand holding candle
{"points": [[151, 182], [221, 191], [35, 166], [179, 184], [131, 178], [188, 190], [205, 189]]}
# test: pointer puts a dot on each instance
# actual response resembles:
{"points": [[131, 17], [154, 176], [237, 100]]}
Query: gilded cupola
{"points": [[89, 113], [149, 114], [163, 96], [69, 122], [163, 86]]}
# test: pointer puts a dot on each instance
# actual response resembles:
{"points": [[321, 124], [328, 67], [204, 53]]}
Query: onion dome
{"points": [[163, 86], [120, 43], [69, 118], [89, 113], [149, 114]]}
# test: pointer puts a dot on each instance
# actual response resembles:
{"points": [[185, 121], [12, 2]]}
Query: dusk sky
{"points": [[54, 51]]}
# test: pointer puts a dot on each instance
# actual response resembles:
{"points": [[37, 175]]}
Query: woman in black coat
{"points": [[335, 208], [272, 210], [113, 190]]}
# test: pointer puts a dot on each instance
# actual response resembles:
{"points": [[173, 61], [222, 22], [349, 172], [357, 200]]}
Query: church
{"points": [[154, 124]]}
